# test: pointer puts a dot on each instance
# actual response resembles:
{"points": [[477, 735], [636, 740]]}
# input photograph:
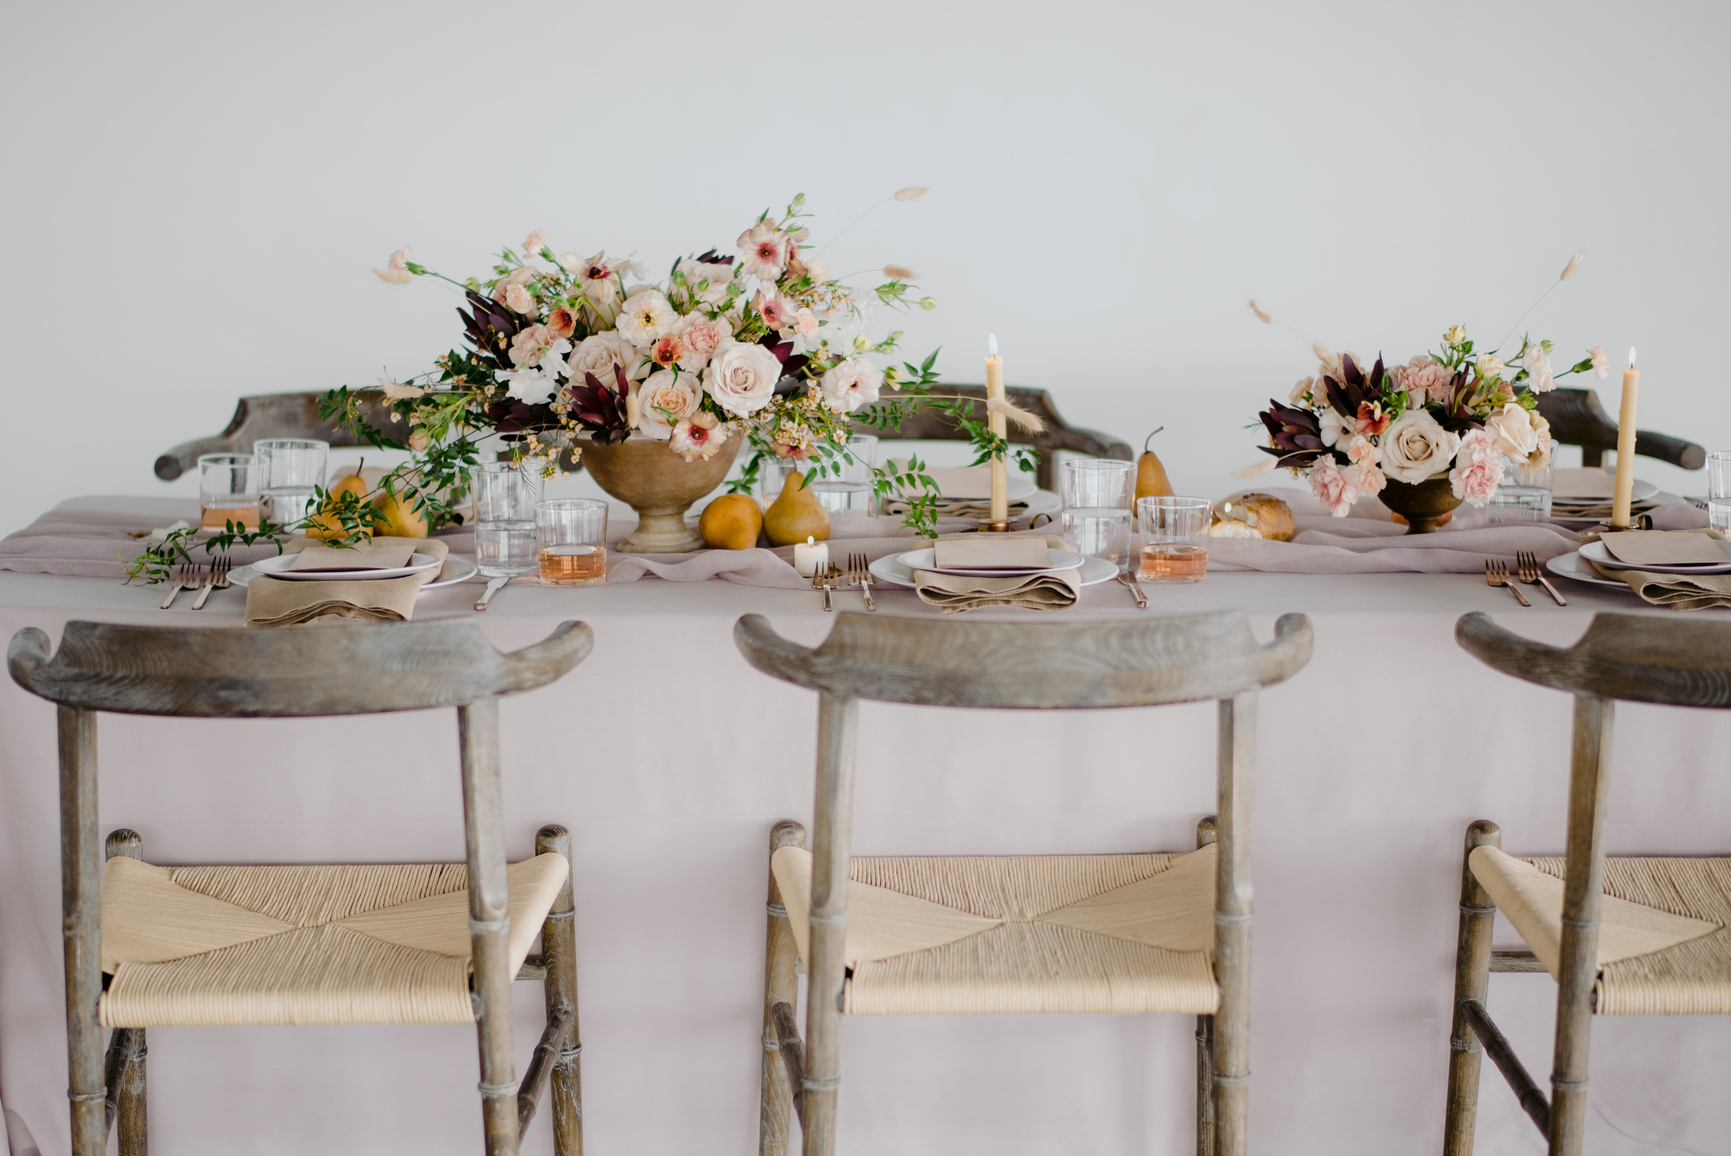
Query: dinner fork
{"points": [[1497, 574], [825, 579], [218, 580], [1527, 569], [859, 575], [187, 579]]}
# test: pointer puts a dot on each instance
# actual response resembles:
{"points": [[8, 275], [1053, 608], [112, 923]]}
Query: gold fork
{"points": [[1527, 569], [218, 580], [1497, 574], [859, 574], [187, 580]]}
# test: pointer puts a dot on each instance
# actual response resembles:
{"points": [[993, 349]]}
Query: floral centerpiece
{"points": [[1424, 436], [763, 348]]}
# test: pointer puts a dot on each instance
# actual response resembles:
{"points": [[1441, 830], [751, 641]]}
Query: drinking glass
{"points": [[228, 490], [1719, 489], [772, 473], [288, 469], [505, 496], [1174, 538], [1097, 494], [1525, 492], [851, 490], [571, 541]]}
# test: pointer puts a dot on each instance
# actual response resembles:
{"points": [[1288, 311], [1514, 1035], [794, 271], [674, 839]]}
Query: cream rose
{"points": [[599, 354], [664, 402], [1513, 430], [1416, 447], [708, 281], [741, 377]]}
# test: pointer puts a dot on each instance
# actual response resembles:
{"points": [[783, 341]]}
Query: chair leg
{"points": [[1205, 834], [1472, 983], [780, 985], [489, 921], [81, 906], [837, 722], [131, 1116], [1583, 886], [559, 952], [1232, 907]]}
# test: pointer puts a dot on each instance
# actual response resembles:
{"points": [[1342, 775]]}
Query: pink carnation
{"points": [[1427, 377], [1365, 478], [1360, 450], [1478, 468], [1331, 485], [529, 344]]}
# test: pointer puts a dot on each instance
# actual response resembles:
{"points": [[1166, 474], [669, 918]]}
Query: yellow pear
{"points": [[402, 520], [1150, 474], [731, 522], [795, 515], [353, 484], [324, 525]]}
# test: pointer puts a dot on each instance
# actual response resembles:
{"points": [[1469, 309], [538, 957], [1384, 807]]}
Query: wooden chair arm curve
{"points": [[1501, 649], [27, 654], [1290, 651], [548, 660]]}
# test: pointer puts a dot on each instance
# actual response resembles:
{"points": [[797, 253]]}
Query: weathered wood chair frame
{"points": [[1012, 666], [1621, 656], [1577, 419], [308, 672]]}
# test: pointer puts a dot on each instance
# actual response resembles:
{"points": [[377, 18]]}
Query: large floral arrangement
{"points": [[764, 344], [1457, 413]]}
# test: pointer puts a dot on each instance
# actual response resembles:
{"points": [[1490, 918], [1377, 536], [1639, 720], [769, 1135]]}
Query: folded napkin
{"points": [[1663, 547], [1678, 591], [281, 602], [990, 552], [957, 593], [976, 509]]}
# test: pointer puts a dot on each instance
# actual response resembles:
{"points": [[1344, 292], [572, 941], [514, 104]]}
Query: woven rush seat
{"points": [[1664, 943], [379, 943], [1047, 933]]}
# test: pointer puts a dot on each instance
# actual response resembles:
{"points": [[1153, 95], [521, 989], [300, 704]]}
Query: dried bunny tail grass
{"points": [[395, 276], [1015, 413], [1257, 470], [1574, 263], [1262, 314], [1568, 271], [911, 193], [900, 273]]}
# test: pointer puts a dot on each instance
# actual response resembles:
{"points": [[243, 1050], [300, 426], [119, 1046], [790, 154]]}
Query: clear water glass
{"points": [[228, 490], [288, 469], [1097, 494], [571, 541], [1525, 493], [505, 496], [1174, 538], [851, 490], [1719, 490], [772, 475]]}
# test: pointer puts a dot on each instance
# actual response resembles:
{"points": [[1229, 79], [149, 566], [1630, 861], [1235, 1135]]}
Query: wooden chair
{"points": [[271, 415], [1112, 933], [150, 946], [929, 424], [1621, 936], [1577, 419]]}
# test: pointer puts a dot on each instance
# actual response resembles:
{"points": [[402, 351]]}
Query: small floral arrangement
{"points": [[1457, 413], [764, 344]]}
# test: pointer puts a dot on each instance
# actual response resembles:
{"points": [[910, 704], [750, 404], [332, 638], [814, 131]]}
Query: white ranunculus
{"points": [[1335, 429], [529, 384], [1537, 363], [645, 316], [741, 377], [663, 402], [1416, 447], [599, 353], [707, 280], [1513, 429], [852, 384]]}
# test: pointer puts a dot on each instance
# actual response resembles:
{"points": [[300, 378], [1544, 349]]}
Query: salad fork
{"points": [[1527, 568], [218, 580], [187, 579], [1497, 574], [858, 574]]}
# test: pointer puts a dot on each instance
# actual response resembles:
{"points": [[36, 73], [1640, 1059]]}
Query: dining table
{"points": [[669, 758]]}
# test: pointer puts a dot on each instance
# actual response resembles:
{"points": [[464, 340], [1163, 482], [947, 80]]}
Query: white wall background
{"points": [[194, 194]]}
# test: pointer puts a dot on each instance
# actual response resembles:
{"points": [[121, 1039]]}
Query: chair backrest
{"points": [[332, 669], [928, 423], [272, 415], [1638, 658], [1029, 665], [1577, 419]]}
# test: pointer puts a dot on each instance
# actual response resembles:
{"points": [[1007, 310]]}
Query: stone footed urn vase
{"points": [[1422, 504], [658, 484]]}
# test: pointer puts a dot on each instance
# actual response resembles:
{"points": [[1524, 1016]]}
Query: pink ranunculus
{"points": [[667, 350], [562, 320], [777, 311], [1478, 468], [698, 437], [1329, 482], [766, 250]]}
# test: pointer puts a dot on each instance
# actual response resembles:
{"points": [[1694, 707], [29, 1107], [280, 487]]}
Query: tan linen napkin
{"points": [[957, 593], [1055, 541], [1678, 591], [281, 602], [990, 551], [1662, 547], [1582, 483], [379, 554]]}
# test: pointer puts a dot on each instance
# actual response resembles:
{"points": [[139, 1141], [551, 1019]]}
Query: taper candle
{"points": [[998, 426], [1626, 447]]}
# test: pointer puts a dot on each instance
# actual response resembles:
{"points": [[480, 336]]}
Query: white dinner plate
{"points": [[1571, 565], [1561, 495], [461, 571], [1596, 552], [925, 560], [279, 567], [889, 569]]}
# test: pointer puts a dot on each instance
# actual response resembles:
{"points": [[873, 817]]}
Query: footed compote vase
{"points": [[660, 485], [1423, 504]]}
